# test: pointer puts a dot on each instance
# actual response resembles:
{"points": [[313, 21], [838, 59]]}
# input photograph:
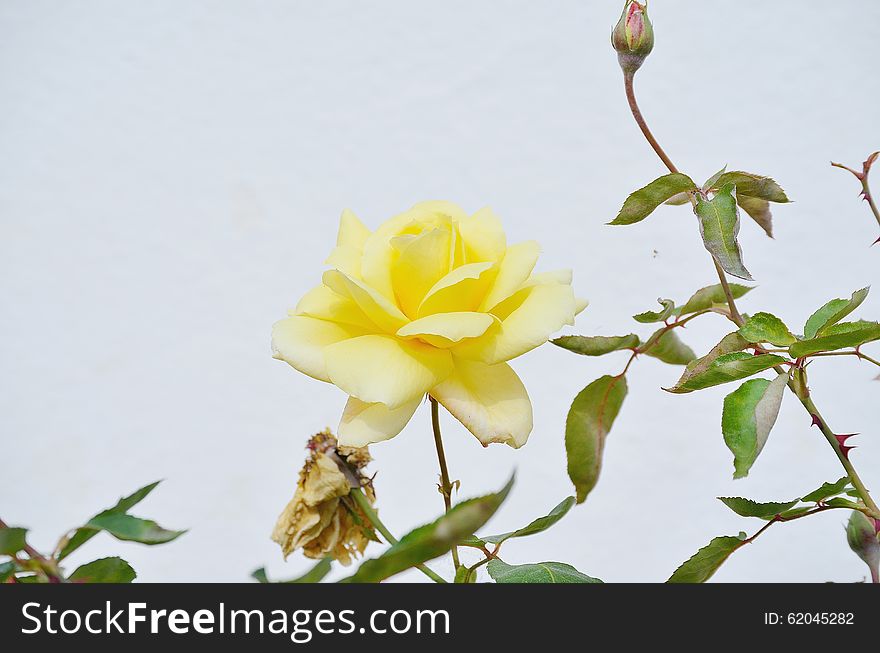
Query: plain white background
{"points": [[171, 178]]}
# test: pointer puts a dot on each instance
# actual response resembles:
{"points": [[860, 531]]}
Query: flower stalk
{"points": [[446, 486], [863, 180], [736, 317]]}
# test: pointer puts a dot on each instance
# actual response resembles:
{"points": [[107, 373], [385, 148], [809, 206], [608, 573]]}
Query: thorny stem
{"points": [[863, 180], [854, 478], [870, 198], [445, 485], [736, 317], [364, 504], [856, 353]]}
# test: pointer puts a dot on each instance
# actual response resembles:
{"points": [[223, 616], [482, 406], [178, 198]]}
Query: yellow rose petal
{"points": [[490, 400], [516, 266], [543, 311], [349, 250], [352, 231], [483, 236], [385, 369], [375, 306], [364, 424], [379, 254], [300, 342], [554, 276], [463, 289], [324, 304], [422, 263], [446, 329]]}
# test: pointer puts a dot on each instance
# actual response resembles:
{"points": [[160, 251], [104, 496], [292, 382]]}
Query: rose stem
{"points": [[736, 316], [445, 485]]}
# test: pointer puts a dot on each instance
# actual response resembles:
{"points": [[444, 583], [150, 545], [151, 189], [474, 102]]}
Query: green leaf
{"points": [[642, 203], [432, 540], [678, 199], [749, 414], [104, 570], [670, 349], [730, 343], [589, 420], [134, 529], [710, 183], [12, 540], [749, 508], [7, 570], [719, 226], [827, 490], [709, 296], [753, 186], [832, 313], [758, 210], [596, 345], [723, 369], [765, 327], [704, 563], [838, 336], [657, 316], [539, 572], [31, 578], [537, 526], [314, 575], [84, 534], [840, 502]]}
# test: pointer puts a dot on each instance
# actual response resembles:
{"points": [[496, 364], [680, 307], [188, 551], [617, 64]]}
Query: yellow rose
{"points": [[432, 302]]}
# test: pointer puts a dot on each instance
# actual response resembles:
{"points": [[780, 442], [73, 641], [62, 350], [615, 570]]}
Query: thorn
{"points": [[816, 421], [841, 439], [841, 442]]}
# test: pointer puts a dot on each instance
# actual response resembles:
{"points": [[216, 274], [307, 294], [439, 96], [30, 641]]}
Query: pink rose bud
{"points": [[633, 36]]}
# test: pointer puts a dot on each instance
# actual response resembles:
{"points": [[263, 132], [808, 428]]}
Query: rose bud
{"points": [[633, 36], [862, 537]]}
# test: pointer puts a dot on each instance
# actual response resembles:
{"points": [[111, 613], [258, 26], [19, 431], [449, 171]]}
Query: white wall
{"points": [[170, 182]]}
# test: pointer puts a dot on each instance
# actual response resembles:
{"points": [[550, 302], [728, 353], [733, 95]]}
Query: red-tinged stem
{"points": [[736, 317], [643, 125]]}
